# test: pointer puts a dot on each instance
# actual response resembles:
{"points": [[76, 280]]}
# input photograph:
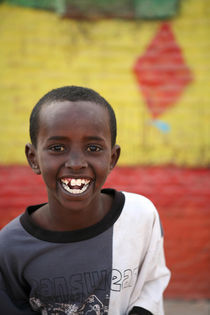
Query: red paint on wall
{"points": [[182, 197], [161, 72]]}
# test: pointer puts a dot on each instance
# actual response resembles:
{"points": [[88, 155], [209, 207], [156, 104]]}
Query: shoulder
{"points": [[141, 212], [138, 222], [9, 233], [138, 211], [139, 204]]}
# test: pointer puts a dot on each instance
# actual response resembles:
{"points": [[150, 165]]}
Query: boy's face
{"points": [[73, 153]]}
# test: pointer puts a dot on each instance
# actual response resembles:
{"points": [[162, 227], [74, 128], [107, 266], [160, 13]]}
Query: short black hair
{"points": [[72, 94]]}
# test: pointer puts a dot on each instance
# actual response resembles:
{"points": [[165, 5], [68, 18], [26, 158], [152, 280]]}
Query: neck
{"points": [[52, 218]]}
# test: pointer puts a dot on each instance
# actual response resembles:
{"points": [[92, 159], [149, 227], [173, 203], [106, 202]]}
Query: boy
{"points": [[88, 250]]}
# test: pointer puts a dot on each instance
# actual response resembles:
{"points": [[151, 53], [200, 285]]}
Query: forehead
{"points": [[59, 115]]}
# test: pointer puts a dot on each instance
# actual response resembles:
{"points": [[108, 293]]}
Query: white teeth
{"points": [[75, 182], [75, 191], [78, 182]]}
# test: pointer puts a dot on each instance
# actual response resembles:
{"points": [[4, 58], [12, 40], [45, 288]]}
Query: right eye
{"points": [[57, 148]]}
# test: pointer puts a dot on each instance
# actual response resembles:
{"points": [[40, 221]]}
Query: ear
{"points": [[115, 156], [31, 156]]}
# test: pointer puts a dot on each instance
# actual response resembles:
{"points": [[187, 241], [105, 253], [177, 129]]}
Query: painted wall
{"points": [[164, 120], [181, 196], [162, 106]]}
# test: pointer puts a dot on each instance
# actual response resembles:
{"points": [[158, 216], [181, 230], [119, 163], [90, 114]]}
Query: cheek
{"points": [[102, 167], [48, 169]]}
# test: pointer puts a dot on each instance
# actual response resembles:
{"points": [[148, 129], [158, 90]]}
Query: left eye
{"points": [[94, 148], [57, 148]]}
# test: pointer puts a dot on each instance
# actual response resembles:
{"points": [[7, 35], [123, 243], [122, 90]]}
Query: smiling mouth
{"points": [[75, 185]]}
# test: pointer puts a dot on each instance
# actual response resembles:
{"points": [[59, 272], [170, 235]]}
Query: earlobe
{"points": [[30, 153], [115, 156]]}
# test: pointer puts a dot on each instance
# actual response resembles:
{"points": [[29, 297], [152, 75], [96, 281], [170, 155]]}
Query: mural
{"points": [[161, 72], [94, 9], [40, 51]]}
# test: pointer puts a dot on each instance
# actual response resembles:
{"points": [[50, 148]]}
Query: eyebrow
{"points": [[88, 138], [57, 138]]}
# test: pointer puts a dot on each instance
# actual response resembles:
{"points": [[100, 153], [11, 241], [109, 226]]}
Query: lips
{"points": [[75, 185]]}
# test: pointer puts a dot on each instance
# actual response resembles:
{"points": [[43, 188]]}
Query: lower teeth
{"points": [[75, 191]]}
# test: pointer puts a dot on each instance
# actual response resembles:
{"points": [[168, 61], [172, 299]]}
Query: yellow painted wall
{"points": [[40, 51]]}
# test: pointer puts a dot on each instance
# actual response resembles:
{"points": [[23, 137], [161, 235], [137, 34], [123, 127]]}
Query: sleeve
{"points": [[8, 305], [14, 291], [139, 311], [153, 276]]}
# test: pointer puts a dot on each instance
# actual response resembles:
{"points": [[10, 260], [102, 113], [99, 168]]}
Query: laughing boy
{"points": [[87, 250]]}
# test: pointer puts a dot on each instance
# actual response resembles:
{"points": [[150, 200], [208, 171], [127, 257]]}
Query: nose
{"points": [[76, 160]]}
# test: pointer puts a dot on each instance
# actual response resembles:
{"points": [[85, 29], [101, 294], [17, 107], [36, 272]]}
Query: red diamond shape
{"points": [[161, 72]]}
